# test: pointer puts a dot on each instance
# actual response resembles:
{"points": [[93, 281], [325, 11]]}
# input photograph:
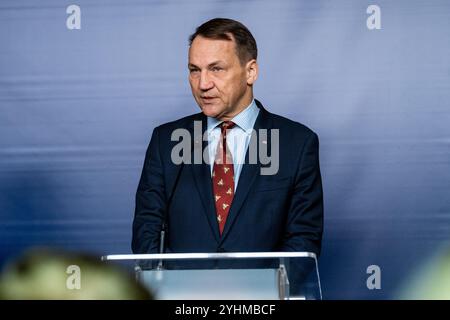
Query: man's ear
{"points": [[252, 71]]}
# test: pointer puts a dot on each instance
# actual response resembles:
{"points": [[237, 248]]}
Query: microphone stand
{"points": [[163, 227]]}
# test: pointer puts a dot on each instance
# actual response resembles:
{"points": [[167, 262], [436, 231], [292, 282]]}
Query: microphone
{"points": [[164, 222], [161, 248]]}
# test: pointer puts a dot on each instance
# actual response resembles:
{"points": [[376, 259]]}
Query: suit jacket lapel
{"points": [[202, 178], [249, 171]]}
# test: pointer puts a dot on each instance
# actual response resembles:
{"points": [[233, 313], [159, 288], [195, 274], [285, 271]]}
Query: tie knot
{"points": [[227, 125]]}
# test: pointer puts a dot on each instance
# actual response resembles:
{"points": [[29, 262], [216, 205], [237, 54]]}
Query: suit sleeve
{"points": [[150, 201], [305, 216]]}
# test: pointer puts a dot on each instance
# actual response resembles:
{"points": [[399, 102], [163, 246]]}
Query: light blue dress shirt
{"points": [[238, 138]]}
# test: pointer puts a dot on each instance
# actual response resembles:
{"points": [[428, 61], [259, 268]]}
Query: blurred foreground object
{"points": [[45, 274], [431, 281]]}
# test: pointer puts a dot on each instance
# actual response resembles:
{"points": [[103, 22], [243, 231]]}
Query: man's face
{"points": [[221, 86]]}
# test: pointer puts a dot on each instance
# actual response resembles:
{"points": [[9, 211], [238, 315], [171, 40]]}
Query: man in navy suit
{"points": [[226, 202]]}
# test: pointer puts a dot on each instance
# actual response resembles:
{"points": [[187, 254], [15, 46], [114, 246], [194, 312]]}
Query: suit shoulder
{"points": [[182, 123], [291, 126]]}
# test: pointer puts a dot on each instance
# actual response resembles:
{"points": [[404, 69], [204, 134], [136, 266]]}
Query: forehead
{"points": [[204, 51]]}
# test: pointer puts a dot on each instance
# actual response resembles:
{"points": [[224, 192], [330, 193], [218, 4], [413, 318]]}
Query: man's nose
{"points": [[205, 81]]}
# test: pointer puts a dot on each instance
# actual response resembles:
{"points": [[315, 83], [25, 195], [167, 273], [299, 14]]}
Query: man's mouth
{"points": [[208, 99]]}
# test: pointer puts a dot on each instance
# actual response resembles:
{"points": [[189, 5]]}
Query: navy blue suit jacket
{"points": [[281, 212]]}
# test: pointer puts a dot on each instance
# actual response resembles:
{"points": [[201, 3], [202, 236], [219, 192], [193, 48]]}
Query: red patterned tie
{"points": [[223, 177]]}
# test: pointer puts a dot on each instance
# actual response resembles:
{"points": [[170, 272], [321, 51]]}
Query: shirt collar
{"points": [[244, 119]]}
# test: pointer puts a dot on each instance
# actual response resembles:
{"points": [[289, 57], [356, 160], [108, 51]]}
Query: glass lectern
{"points": [[226, 276]]}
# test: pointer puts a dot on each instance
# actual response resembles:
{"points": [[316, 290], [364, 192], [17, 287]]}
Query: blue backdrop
{"points": [[77, 108]]}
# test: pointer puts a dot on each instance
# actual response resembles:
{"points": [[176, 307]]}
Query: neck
{"points": [[242, 104]]}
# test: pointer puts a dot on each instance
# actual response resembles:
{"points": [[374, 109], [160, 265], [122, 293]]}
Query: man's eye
{"points": [[193, 70], [215, 69]]}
